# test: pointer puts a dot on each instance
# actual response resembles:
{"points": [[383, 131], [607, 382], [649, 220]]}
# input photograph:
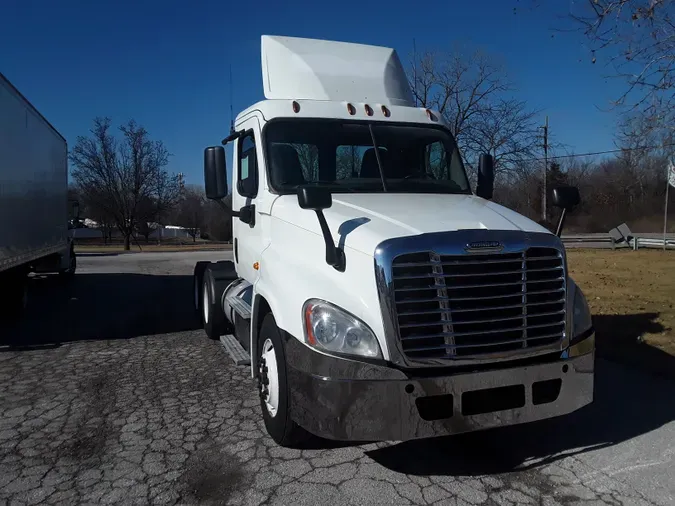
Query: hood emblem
{"points": [[484, 247]]}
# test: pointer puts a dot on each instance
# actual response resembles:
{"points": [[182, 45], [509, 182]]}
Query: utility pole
{"points": [[544, 216]]}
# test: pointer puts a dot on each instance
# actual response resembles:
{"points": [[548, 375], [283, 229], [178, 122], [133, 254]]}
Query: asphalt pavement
{"points": [[110, 393]]}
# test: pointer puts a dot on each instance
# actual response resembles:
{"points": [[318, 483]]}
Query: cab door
{"points": [[246, 229]]}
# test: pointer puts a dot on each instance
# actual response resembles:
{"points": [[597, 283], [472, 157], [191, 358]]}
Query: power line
{"points": [[619, 150]]}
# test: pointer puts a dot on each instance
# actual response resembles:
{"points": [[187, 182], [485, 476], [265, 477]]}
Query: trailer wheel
{"points": [[213, 318], [197, 282], [273, 387]]}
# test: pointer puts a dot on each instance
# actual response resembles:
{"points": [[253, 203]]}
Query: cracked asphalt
{"points": [[109, 393]]}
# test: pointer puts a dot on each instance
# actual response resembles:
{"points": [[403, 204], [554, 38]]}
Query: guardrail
{"points": [[635, 243], [587, 238], [644, 242]]}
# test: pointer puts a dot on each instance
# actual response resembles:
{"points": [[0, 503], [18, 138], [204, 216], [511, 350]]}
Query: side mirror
{"points": [[486, 176], [76, 210], [314, 198], [566, 197], [215, 174], [317, 199]]}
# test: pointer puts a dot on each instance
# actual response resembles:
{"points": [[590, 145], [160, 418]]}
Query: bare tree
{"points": [[167, 194], [118, 174], [191, 211], [508, 131], [636, 41], [147, 212], [217, 223], [639, 36], [472, 94]]}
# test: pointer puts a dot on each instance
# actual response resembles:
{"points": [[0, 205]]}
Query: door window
{"points": [[247, 180]]}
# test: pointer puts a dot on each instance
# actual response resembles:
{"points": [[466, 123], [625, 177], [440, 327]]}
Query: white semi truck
{"points": [[34, 230], [377, 296]]}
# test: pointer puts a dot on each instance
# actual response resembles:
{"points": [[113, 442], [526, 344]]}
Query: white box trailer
{"points": [[34, 232]]}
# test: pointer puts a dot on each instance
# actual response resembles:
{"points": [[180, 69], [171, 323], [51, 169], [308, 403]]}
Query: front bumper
{"points": [[343, 399]]}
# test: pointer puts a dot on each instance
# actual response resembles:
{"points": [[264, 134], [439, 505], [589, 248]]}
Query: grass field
{"points": [[632, 297]]}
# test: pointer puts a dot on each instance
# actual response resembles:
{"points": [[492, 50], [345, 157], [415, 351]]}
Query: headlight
{"points": [[332, 329], [581, 316]]}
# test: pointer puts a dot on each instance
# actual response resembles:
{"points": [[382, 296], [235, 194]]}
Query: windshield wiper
{"points": [[377, 156], [334, 184]]}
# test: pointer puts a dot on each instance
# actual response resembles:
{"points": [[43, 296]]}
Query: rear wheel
{"points": [[213, 318], [275, 399], [197, 282]]}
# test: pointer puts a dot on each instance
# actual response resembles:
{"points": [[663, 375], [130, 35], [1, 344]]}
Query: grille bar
{"points": [[479, 262], [463, 299], [490, 308], [481, 345], [497, 331], [462, 306], [519, 271]]}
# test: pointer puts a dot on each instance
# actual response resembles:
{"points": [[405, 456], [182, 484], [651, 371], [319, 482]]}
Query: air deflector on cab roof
{"points": [[310, 69]]}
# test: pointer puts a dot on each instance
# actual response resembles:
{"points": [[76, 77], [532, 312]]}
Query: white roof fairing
{"points": [[312, 69]]}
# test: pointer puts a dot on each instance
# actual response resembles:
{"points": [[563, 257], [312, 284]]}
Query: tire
{"points": [[197, 281], [275, 400], [213, 318]]}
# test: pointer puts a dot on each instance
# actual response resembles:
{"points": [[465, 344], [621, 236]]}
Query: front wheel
{"points": [[273, 386]]}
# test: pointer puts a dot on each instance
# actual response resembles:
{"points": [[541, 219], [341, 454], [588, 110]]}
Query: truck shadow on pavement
{"points": [[102, 306], [618, 340], [628, 403]]}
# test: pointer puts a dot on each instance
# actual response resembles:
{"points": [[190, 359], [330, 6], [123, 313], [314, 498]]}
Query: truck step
{"points": [[240, 306], [237, 353]]}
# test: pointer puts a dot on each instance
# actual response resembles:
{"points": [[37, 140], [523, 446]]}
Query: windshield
{"points": [[339, 154]]}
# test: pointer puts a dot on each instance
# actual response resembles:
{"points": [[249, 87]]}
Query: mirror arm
{"points": [[334, 255], [233, 135], [561, 222], [227, 209]]}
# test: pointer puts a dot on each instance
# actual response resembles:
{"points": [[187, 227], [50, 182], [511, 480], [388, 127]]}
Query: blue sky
{"points": [[166, 64]]}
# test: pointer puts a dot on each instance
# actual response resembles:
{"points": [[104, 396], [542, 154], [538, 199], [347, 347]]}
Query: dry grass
{"points": [[119, 248], [632, 295]]}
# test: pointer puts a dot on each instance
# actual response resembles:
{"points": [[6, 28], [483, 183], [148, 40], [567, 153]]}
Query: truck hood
{"points": [[362, 221]]}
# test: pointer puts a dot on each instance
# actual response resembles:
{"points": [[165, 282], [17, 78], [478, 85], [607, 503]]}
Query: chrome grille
{"points": [[460, 306]]}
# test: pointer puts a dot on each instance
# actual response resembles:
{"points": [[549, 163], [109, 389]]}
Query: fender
{"points": [[262, 299]]}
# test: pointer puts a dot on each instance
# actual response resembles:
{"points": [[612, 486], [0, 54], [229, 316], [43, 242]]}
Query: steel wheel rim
{"points": [[270, 378]]}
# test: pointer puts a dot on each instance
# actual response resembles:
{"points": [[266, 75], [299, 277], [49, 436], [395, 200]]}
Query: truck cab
{"points": [[375, 293]]}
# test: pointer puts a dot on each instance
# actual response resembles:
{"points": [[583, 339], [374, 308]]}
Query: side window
{"points": [[247, 180]]}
